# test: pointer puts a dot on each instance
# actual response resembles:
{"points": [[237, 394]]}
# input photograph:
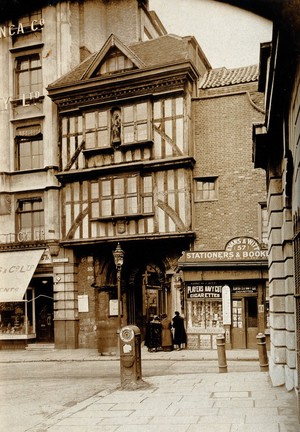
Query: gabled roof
{"points": [[112, 42], [161, 51], [222, 77]]}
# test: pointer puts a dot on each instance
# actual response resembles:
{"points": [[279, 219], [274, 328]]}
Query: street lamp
{"points": [[119, 259]]}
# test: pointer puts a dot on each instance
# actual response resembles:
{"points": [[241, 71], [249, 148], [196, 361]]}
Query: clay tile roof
{"points": [[163, 50], [222, 77], [75, 74]]}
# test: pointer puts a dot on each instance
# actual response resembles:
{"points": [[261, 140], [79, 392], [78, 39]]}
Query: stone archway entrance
{"points": [[146, 295]]}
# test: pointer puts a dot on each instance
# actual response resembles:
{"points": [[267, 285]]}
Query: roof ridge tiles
{"points": [[221, 76]]}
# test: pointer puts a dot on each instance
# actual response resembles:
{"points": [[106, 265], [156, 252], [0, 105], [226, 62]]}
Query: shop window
{"points": [[237, 314], [207, 313], [30, 219], [16, 318], [29, 147], [205, 300], [28, 75], [206, 189]]}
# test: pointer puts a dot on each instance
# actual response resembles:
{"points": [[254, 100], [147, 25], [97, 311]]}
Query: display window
{"points": [[206, 313], [17, 320], [237, 315], [205, 304]]}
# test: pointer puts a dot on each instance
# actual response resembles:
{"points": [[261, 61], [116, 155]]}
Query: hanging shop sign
{"points": [[237, 249], [195, 290]]}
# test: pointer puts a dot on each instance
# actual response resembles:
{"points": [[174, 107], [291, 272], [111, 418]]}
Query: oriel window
{"points": [[122, 195]]}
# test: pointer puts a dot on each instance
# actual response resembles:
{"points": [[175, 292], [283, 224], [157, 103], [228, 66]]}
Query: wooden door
{"points": [[251, 321]]}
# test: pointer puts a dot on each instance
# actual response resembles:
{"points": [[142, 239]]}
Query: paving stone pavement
{"points": [[202, 402], [208, 402]]}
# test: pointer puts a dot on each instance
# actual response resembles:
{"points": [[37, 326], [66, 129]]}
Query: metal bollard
{"points": [[221, 353], [262, 352]]}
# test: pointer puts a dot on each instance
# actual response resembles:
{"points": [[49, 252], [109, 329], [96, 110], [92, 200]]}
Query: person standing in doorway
{"points": [[179, 331], [153, 334], [166, 334]]}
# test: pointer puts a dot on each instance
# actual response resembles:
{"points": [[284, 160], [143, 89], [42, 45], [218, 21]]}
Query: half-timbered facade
{"points": [[126, 160], [113, 131]]}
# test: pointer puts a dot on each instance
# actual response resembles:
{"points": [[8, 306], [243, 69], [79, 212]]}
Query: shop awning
{"points": [[16, 271]]}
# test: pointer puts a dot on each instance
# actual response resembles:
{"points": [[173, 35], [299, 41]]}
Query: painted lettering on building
{"points": [[26, 99], [17, 269], [237, 249], [15, 30], [202, 290]]}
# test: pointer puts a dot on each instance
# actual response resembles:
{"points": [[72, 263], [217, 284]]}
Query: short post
{"points": [[221, 353], [262, 352], [130, 357]]}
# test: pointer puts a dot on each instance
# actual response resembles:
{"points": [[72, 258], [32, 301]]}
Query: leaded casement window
{"points": [[30, 219], [28, 76], [125, 125], [135, 123], [29, 147], [97, 129], [206, 189], [121, 196], [114, 62]]}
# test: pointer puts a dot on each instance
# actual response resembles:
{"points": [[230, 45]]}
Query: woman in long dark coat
{"points": [[153, 335], [166, 335], [179, 331]]}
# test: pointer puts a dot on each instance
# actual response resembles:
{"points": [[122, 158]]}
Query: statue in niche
{"points": [[116, 127]]}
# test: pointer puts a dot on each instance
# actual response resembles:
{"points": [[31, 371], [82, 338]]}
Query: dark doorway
{"points": [[44, 310], [145, 296]]}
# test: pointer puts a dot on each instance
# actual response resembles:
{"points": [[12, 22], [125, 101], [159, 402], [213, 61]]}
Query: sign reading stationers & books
{"points": [[237, 249]]}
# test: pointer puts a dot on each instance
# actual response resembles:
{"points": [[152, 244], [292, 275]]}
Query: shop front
{"points": [[226, 292], [26, 298]]}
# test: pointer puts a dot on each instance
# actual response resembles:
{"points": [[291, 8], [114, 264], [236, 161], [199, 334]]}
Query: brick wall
{"points": [[223, 148]]}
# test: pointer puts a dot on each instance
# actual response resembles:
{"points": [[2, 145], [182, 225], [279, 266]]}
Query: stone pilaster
{"points": [[65, 295]]}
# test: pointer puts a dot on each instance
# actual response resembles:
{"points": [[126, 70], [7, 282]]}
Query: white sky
{"points": [[229, 36]]}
